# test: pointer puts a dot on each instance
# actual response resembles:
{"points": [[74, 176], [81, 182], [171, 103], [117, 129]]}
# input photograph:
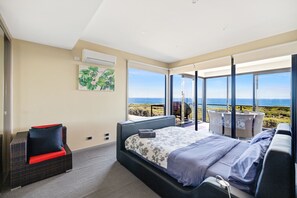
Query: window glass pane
{"points": [[262, 96], [216, 94], [200, 95], [146, 94], [273, 95], [244, 106], [177, 87], [183, 98], [244, 92]]}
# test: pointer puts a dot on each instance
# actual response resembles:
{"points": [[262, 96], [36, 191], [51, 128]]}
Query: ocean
{"points": [[216, 101]]}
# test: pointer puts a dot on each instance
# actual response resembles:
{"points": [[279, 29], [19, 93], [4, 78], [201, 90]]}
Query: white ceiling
{"points": [[165, 30], [58, 23]]}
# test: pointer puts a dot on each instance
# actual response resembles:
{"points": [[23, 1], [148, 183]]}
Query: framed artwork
{"points": [[95, 78]]}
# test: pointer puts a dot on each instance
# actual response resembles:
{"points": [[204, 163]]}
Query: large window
{"points": [[146, 94], [259, 98]]}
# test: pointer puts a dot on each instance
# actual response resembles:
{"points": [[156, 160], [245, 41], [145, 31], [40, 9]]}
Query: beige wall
{"points": [[45, 91]]}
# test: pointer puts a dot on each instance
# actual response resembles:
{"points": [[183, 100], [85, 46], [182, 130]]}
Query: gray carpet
{"points": [[95, 173]]}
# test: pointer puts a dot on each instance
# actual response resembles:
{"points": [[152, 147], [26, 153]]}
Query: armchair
{"points": [[23, 173]]}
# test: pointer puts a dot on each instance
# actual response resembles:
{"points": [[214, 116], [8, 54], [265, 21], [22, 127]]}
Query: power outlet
{"points": [[89, 138], [106, 136]]}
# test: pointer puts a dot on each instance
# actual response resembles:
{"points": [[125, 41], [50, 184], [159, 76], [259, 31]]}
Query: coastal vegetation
{"points": [[273, 115], [145, 110]]}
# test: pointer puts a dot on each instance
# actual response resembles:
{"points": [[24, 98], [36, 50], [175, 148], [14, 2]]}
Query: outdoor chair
{"points": [[215, 122], [176, 110], [25, 170], [244, 125], [258, 122]]}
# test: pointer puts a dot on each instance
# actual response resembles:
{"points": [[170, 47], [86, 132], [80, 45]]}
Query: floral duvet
{"points": [[167, 140]]}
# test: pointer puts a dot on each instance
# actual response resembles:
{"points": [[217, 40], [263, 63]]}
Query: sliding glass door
{"points": [[183, 98], [2, 143], [5, 100]]}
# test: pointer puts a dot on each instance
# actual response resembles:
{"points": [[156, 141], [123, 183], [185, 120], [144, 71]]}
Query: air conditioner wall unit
{"points": [[93, 57]]}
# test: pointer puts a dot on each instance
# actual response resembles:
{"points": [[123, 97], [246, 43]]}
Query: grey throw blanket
{"points": [[189, 164]]}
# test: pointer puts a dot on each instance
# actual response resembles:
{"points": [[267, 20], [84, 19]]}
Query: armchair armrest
{"points": [[18, 148], [18, 158], [210, 188], [64, 135]]}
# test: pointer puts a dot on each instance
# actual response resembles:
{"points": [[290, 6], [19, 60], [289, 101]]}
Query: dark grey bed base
{"points": [[276, 178]]}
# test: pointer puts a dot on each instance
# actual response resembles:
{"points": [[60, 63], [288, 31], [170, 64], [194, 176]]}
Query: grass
{"points": [[273, 115], [144, 110]]}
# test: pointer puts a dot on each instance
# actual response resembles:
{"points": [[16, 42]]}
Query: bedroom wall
{"points": [[45, 91]]}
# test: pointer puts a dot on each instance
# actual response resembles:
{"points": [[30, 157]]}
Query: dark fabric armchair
{"points": [[23, 173]]}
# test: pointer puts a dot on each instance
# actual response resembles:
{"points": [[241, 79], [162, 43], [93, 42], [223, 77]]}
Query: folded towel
{"points": [[146, 133], [145, 130]]}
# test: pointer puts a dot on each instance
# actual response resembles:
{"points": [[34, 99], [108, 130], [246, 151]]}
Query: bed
{"points": [[275, 179]]}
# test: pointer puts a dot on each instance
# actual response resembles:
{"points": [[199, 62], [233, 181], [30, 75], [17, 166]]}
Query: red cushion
{"points": [[40, 158], [45, 126]]}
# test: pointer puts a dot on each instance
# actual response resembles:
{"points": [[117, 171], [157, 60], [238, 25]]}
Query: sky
{"points": [[274, 86], [144, 84]]}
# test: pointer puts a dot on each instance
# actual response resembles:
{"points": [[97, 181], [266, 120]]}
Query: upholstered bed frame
{"points": [[276, 177]]}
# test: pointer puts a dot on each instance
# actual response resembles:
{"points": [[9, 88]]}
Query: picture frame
{"points": [[96, 78]]}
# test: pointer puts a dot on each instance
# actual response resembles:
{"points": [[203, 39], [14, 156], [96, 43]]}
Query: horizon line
{"points": [[219, 98]]}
